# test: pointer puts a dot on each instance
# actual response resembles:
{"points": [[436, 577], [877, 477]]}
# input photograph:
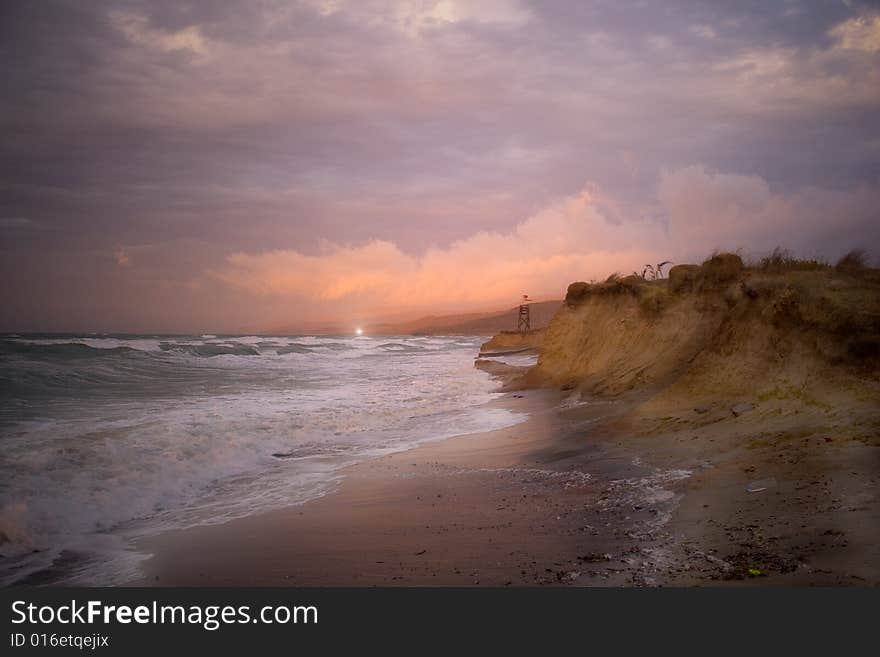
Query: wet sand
{"points": [[515, 506], [573, 496]]}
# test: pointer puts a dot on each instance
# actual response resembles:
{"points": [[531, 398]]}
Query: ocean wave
{"points": [[399, 346], [61, 350], [336, 346], [105, 440], [209, 350], [294, 349]]}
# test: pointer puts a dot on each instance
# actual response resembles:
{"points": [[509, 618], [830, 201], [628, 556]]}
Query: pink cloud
{"points": [[573, 238], [569, 239]]}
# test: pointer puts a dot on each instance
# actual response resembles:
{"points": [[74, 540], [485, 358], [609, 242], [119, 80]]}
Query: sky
{"points": [[254, 165]]}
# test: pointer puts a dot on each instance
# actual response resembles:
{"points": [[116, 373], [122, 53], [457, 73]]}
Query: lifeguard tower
{"points": [[524, 322]]}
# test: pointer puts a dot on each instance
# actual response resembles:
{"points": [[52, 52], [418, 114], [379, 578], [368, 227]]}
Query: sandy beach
{"points": [[576, 495], [515, 506]]}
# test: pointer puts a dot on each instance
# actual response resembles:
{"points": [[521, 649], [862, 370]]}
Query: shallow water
{"points": [[106, 438]]}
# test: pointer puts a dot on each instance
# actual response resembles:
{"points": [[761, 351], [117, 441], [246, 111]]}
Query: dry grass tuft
{"points": [[854, 262], [780, 260]]}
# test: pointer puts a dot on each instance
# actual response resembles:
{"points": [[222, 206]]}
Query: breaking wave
{"points": [[108, 437]]}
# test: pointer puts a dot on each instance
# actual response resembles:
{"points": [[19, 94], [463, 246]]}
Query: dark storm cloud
{"points": [[180, 133]]}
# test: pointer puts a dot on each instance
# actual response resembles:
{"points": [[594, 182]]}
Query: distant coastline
{"points": [[478, 323]]}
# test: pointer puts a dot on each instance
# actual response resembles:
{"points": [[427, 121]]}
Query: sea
{"points": [[108, 438]]}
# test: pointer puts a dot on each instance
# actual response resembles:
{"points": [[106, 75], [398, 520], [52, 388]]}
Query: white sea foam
{"points": [[142, 434]]}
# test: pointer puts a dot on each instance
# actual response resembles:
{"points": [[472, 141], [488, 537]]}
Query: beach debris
{"points": [[755, 572], [760, 485], [420, 553], [701, 409], [742, 407], [725, 566]]}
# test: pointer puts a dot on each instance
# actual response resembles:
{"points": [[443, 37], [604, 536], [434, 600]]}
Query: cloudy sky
{"points": [[245, 165]]}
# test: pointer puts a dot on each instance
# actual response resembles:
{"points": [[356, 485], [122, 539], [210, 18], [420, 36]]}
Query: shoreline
{"points": [[516, 506], [578, 494]]}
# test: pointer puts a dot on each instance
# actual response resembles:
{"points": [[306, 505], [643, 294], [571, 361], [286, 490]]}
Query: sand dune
{"points": [[763, 383], [717, 330]]}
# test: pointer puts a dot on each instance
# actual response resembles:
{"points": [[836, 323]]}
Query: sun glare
{"points": [[359, 331]]}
